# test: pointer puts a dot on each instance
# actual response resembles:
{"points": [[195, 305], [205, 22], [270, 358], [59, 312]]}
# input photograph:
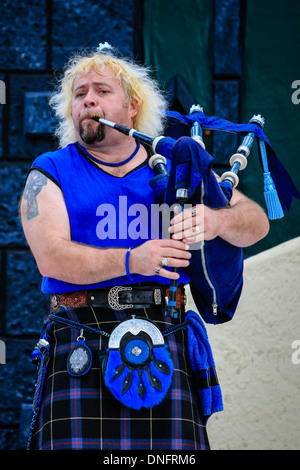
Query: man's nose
{"points": [[90, 99]]}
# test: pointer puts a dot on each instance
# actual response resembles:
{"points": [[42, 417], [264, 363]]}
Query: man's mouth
{"points": [[87, 118], [90, 118]]}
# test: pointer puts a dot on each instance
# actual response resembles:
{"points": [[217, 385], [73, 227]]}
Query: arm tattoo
{"points": [[35, 182]]}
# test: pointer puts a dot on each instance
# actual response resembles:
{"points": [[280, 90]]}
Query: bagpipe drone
{"points": [[216, 266]]}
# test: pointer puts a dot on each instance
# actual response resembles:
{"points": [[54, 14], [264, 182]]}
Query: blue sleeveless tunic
{"points": [[104, 211]]}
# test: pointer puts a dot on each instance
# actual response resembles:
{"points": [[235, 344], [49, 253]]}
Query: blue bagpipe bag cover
{"points": [[216, 266]]}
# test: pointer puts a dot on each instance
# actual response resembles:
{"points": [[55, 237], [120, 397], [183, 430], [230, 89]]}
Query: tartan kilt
{"points": [[81, 413]]}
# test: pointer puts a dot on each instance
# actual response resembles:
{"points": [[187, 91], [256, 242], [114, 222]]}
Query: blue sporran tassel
{"points": [[271, 197], [203, 365], [40, 356]]}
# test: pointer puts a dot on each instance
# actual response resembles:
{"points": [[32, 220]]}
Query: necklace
{"points": [[112, 164]]}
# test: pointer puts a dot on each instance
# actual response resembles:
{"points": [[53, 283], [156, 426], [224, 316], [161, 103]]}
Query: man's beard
{"points": [[89, 135]]}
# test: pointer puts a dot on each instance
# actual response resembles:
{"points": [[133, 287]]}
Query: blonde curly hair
{"points": [[135, 80]]}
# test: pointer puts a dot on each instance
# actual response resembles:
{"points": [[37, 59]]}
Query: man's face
{"points": [[98, 95]]}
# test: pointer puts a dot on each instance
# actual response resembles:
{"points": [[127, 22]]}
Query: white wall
{"points": [[253, 355]]}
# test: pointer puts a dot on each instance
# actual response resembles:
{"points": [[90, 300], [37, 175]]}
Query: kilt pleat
{"points": [[80, 412]]}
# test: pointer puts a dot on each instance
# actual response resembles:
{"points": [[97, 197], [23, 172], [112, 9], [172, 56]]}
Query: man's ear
{"points": [[133, 107]]}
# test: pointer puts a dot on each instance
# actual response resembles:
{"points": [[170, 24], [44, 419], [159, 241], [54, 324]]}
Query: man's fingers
{"points": [[186, 220], [175, 253], [166, 273], [173, 244]]}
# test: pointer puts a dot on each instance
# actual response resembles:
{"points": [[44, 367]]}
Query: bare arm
{"points": [[243, 223], [46, 226]]}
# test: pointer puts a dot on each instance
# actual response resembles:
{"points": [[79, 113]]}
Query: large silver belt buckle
{"points": [[113, 298]]}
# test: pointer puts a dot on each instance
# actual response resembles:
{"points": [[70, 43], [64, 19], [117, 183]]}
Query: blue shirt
{"points": [[104, 211]]}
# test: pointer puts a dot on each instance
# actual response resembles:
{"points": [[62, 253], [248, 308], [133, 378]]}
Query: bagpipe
{"points": [[216, 266]]}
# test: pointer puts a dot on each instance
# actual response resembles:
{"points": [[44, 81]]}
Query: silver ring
{"points": [[164, 262], [193, 211], [197, 228], [156, 271]]}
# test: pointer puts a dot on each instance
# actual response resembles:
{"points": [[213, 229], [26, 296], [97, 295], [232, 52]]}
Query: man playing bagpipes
{"points": [[116, 369]]}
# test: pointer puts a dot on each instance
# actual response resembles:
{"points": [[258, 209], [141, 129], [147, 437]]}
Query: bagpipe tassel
{"points": [[271, 197], [273, 204]]}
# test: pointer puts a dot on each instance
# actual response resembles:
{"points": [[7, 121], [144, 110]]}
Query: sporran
{"points": [[137, 368]]}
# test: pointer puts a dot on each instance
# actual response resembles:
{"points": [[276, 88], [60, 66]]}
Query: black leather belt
{"points": [[118, 297]]}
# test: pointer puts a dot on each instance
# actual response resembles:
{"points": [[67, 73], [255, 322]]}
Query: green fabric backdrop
{"points": [[178, 40], [271, 64]]}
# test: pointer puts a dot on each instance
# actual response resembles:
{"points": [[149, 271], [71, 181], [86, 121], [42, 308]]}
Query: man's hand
{"points": [[242, 224], [195, 224], [147, 257]]}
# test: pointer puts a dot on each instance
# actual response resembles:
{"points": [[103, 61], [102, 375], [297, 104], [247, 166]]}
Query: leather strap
{"points": [[117, 297]]}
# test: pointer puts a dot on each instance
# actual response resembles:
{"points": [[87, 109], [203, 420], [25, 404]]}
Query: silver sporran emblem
{"points": [[80, 358]]}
